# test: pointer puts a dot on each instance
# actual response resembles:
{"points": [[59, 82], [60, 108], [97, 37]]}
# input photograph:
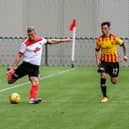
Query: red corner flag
{"points": [[73, 29], [72, 25]]}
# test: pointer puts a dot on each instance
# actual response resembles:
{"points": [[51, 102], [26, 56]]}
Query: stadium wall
{"points": [[52, 19]]}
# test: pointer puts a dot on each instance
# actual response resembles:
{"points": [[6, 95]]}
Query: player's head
{"points": [[105, 28], [31, 31]]}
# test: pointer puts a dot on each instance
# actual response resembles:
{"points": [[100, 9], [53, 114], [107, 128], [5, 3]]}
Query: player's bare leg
{"points": [[34, 91], [103, 86], [114, 80], [103, 75]]}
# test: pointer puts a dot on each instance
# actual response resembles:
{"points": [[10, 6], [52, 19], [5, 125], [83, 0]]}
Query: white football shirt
{"points": [[32, 50]]}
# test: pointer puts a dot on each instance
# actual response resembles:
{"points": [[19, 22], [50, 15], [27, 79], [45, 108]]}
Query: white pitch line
{"points": [[42, 78]]}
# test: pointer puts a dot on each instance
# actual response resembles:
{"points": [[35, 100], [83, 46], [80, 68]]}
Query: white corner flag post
{"points": [[73, 29]]}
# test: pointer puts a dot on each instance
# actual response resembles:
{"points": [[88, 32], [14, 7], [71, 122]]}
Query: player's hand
{"points": [[98, 62], [125, 58]]}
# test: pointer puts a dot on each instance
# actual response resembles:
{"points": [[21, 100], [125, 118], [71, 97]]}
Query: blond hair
{"points": [[30, 29]]}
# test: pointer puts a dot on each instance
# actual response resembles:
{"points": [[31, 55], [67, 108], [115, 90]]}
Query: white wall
{"points": [[11, 18], [115, 11], [52, 17], [84, 12]]}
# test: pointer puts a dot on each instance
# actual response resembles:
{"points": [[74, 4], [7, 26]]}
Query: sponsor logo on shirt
{"points": [[37, 49]]}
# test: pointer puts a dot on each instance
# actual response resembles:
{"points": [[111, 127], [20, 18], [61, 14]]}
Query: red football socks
{"points": [[33, 92]]}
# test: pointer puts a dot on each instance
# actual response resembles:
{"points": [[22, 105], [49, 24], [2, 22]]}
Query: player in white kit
{"points": [[31, 51]]}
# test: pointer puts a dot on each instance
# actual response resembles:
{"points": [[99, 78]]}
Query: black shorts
{"points": [[26, 69], [111, 68]]}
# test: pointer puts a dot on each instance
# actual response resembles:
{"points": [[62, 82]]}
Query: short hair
{"points": [[106, 23], [30, 29]]}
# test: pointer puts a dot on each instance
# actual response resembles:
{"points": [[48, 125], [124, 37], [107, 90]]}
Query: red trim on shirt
{"points": [[21, 53], [101, 38], [112, 37], [29, 42]]}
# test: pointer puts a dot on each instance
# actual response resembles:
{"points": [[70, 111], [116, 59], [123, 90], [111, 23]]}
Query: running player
{"points": [[107, 57], [31, 51]]}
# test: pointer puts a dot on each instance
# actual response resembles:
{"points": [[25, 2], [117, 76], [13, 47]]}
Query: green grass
{"points": [[72, 101]]}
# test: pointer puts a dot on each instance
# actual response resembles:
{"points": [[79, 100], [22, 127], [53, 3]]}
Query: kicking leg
{"points": [[114, 72]]}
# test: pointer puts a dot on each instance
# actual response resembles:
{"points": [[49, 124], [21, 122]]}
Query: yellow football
{"points": [[14, 98]]}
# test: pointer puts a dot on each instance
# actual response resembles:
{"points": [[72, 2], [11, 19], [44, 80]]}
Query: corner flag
{"points": [[73, 29]]}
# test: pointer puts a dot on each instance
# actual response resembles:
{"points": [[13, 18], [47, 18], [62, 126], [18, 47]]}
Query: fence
{"points": [[57, 54]]}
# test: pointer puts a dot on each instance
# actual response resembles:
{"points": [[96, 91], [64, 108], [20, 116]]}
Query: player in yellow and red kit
{"points": [[107, 57]]}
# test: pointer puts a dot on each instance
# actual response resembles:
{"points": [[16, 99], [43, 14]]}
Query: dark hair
{"points": [[105, 23]]}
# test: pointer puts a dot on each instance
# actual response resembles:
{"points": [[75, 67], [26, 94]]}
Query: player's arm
{"points": [[98, 54], [98, 57], [56, 41], [122, 44], [15, 63], [19, 56], [125, 58], [17, 60]]}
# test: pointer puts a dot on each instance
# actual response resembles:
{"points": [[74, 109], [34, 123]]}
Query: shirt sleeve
{"points": [[22, 49], [44, 41], [119, 41], [97, 45]]}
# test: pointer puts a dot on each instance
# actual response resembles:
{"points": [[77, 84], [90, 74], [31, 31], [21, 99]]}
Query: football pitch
{"points": [[71, 101]]}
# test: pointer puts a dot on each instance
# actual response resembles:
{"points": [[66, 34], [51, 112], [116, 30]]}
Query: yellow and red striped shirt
{"points": [[108, 47]]}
